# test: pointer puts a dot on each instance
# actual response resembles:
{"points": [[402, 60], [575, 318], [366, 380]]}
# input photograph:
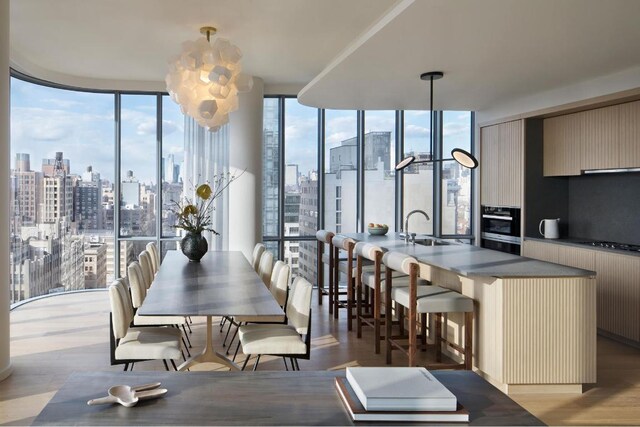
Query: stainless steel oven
{"points": [[500, 229]]}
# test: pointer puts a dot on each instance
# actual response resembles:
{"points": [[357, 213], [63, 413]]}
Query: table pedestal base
{"points": [[209, 354]]}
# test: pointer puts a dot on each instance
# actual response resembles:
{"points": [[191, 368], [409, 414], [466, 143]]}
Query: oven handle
{"points": [[506, 218], [502, 238]]}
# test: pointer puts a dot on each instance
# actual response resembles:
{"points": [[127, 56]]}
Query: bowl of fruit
{"points": [[377, 229]]}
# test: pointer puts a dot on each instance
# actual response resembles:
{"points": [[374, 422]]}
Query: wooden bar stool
{"points": [[372, 278], [325, 237], [428, 299]]}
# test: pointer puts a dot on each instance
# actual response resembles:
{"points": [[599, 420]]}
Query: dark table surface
{"points": [[221, 284], [251, 398]]}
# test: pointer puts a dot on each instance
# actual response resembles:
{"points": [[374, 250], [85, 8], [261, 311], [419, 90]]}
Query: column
{"points": [[5, 362], [245, 152]]}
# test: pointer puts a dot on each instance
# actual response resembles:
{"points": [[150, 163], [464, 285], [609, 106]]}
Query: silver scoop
{"points": [[130, 395]]}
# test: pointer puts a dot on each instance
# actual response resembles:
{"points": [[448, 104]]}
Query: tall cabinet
{"points": [[501, 159]]}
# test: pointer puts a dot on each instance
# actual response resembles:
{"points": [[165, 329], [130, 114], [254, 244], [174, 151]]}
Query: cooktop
{"points": [[613, 245]]}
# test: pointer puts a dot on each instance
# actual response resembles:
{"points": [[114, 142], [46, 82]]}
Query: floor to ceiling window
{"points": [[79, 212], [359, 183], [62, 175]]}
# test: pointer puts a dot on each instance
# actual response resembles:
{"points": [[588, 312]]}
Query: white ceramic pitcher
{"points": [[549, 228]]}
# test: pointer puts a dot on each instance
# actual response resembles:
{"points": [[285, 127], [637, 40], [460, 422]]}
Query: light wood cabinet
{"points": [[562, 140], [618, 290], [602, 138], [501, 164], [630, 135]]}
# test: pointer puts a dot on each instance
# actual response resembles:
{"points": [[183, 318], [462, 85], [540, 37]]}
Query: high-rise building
{"points": [[25, 192], [308, 220], [51, 166], [56, 203], [95, 265], [130, 189], [377, 146]]}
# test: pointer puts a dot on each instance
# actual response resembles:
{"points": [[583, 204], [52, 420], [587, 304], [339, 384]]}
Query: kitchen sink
{"points": [[431, 242]]}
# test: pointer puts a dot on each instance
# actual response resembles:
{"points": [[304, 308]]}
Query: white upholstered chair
{"points": [[291, 340], [265, 267], [144, 259], [155, 257], [139, 344], [139, 293], [279, 288], [257, 254]]}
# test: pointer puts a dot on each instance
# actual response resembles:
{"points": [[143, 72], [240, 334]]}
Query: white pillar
{"points": [[245, 152], [5, 152]]}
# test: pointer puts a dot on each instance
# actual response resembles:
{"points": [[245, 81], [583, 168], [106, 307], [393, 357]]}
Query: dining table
{"points": [[223, 283]]}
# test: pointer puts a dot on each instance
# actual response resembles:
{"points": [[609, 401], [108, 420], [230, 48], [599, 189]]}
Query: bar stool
{"points": [[423, 300], [372, 278], [324, 237]]}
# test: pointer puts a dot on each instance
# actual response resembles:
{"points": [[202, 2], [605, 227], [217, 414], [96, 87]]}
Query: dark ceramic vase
{"points": [[194, 246]]}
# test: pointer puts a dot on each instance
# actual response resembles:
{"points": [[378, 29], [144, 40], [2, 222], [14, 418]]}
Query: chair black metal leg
{"points": [[188, 325], [182, 353], [185, 347], [236, 353], [173, 363], [284, 359], [131, 366], [244, 365], [165, 364], [222, 322], [126, 365], [185, 334], [255, 365], [235, 334], [224, 343], [296, 362]]}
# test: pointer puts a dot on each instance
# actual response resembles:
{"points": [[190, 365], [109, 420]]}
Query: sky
{"points": [[45, 120]]}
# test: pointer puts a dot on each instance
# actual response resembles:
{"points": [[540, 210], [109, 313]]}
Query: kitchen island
{"points": [[535, 321]]}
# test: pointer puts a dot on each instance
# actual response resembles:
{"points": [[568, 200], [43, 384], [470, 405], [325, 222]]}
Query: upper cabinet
{"points": [[562, 141], [603, 138], [501, 160]]}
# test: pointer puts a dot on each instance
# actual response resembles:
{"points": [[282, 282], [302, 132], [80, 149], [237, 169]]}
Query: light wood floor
{"points": [[54, 336]]}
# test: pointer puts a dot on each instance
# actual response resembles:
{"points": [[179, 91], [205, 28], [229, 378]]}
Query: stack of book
{"points": [[398, 394]]}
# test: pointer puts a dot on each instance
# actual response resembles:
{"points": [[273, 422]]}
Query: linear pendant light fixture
{"points": [[463, 157], [204, 79]]}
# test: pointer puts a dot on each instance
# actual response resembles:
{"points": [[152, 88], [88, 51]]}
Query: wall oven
{"points": [[500, 229]]}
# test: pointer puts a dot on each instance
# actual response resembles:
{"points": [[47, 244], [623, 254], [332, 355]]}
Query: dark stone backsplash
{"points": [[605, 207]]}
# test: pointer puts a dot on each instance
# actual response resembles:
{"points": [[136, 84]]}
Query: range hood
{"points": [[617, 170]]}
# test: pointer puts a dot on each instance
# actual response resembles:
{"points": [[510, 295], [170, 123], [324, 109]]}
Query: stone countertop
{"points": [[578, 242], [469, 260]]}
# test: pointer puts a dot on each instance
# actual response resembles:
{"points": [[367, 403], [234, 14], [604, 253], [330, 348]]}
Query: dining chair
{"points": [[325, 237], [134, 344], [291, 340], [138, 294], [155, 257], [265, 267], [422, 300], [258, 249], [145, 263], [279, 288]]}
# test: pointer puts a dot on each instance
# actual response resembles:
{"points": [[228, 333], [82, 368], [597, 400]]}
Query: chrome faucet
{"points": [[406, 224]]}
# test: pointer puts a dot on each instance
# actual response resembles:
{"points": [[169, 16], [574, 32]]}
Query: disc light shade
{"points": [[464, 158], [205, 78]]}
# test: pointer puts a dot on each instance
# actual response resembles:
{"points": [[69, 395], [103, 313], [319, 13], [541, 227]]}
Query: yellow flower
{"points": [[189, 210], [204, 191]]}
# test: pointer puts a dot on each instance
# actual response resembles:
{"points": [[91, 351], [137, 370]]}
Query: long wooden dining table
{"points": [[223, 283]]}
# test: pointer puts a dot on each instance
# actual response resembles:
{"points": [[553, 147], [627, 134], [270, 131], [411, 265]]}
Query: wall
{"points": [[605, 207], [5, 362]]}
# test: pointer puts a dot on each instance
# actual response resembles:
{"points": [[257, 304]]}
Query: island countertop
{"points": [[469, 260]]}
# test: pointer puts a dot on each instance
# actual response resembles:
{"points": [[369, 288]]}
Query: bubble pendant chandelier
{"points": [[205, 78]]}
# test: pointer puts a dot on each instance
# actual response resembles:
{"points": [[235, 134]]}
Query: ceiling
{"points": [[365, 54]]}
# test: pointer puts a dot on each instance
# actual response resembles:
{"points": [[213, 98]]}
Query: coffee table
{"points": [[223, 283], [251, 398]]}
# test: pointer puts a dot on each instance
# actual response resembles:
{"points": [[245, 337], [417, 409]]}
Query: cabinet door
{"points": [[541, 250], [601, 138], [561, 145], [501, 164], [618, 294], [630, 135]]}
